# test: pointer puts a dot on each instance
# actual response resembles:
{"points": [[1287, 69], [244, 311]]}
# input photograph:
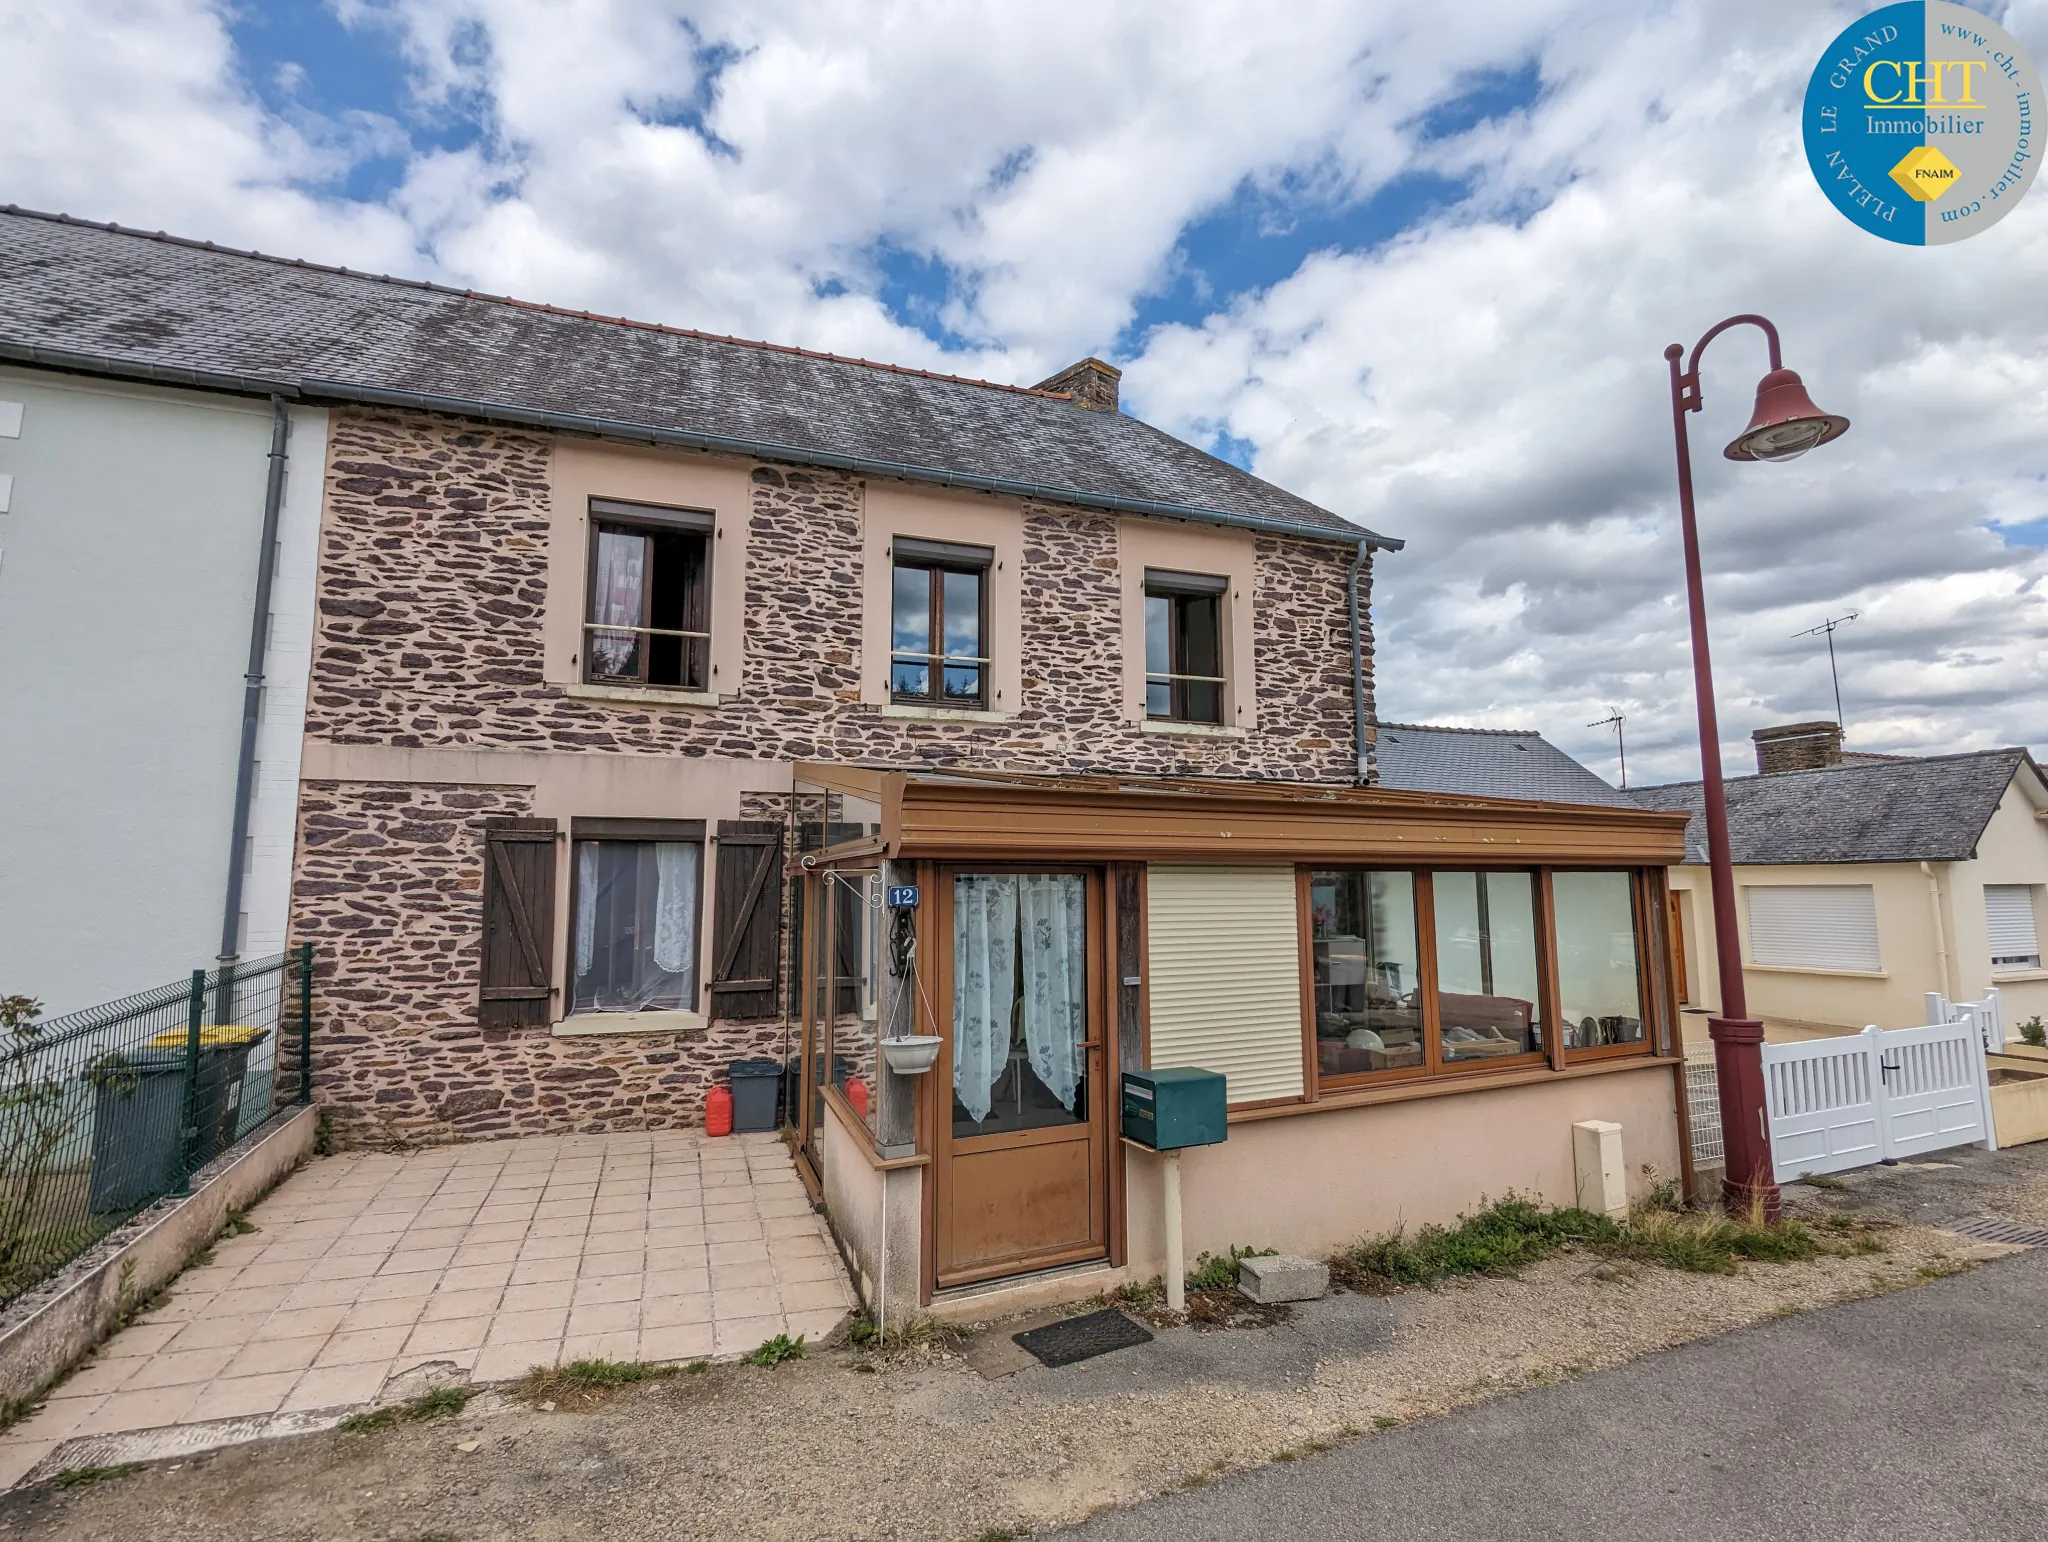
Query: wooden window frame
{"points": [[1178, 589], [1435, 1068], [936, 559], [688, 832], [647, 520], [1639, 918]]}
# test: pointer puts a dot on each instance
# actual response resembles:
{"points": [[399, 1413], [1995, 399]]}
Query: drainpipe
{"points": [[1358, 669], [1940, 933], [252, 696]]}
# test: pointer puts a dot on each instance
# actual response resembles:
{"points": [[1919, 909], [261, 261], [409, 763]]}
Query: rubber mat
{"points": [[1083, 1338]]}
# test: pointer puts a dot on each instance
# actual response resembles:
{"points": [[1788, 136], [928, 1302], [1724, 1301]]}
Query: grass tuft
{"points": [[441, 1403], [81, 1477], [776, 1350], [1219, 1271], [583, 1384]]}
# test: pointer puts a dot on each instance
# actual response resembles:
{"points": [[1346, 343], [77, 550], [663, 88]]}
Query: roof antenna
{"points": [[1617, 717], [1828, 626]]}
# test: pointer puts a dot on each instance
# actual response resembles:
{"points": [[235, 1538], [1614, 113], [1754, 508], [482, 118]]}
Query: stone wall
{"points": [[432, 585]]}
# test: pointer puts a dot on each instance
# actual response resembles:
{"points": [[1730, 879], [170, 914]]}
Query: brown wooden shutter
{"points": [[519, 922], [746, 919]]}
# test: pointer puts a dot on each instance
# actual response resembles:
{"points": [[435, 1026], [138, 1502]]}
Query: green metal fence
{"points": [[105, 1110]]}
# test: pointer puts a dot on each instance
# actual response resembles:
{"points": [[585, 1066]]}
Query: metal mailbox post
{"points": [[1167, 1111]]}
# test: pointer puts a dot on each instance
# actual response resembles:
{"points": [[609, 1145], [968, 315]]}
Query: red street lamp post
{"points": [[1785, 425]]}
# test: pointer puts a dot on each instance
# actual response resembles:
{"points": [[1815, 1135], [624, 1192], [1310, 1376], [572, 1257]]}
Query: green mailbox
{"points": [[1172, 1108]]}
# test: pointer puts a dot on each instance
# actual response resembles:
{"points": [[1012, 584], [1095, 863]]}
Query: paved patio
{"points": [[372, 1274]]}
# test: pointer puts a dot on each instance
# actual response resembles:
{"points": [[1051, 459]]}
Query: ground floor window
{"points": [[1489, 996], [634, 942], [1366, 971], [1599, 979]]}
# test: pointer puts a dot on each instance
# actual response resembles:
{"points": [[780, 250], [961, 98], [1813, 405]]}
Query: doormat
{"points": [[1083, 1338], [1986, 1228]]}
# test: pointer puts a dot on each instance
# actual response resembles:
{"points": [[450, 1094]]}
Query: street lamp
{"points": [[1784, 426]]}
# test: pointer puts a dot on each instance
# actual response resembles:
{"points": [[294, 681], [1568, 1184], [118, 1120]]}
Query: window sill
{"points": [[653, 696], [1833, 974], [943, 714], [1418, 1087], [2017, 976], [1154, 725], [590, 1025]]}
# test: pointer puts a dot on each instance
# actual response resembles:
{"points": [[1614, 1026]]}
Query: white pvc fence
{"points": [[1870, 1097]]}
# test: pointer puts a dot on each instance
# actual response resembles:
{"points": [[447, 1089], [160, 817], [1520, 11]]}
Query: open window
{"points": [[649, 615], [1184, 646], [938, 624], [636, 887]]}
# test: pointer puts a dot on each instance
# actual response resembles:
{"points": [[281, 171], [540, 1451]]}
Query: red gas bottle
{"points": [[857, 1095], [718, 1112]]}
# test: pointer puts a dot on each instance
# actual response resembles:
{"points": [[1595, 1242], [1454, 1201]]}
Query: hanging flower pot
{"points": [[911, 1054]]}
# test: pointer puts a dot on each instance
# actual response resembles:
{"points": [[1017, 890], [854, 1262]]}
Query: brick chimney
{"points": [[1798, 747], [1092, 384]]}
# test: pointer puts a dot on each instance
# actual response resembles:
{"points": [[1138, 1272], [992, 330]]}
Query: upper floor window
{"points": [[938, 624], [1184, 646], [2009, 915], [649, 618]]}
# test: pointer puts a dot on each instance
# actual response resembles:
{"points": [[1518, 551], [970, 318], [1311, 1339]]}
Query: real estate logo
{"points": [[1920, 123]]}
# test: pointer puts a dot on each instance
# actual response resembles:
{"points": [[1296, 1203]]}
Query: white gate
{"points": [[1868, 1097]]}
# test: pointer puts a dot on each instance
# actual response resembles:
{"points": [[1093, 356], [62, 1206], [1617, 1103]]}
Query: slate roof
{"points": [[1929, 809], [98, 297], [1487, 762]]}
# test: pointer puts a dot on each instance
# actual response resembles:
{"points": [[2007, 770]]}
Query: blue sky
{"points": [[1417, 265]]}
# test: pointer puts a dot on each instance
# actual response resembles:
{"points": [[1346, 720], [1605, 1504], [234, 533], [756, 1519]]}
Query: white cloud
{"points": [[1489, 385]]}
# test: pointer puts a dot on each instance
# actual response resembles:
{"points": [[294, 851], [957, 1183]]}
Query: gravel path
{"points": [[922, 1447]]}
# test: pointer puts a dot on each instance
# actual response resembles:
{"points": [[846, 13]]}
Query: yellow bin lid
{"points": [[216, 1035]]}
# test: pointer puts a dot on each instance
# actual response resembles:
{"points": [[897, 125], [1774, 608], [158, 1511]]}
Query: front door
{"points": [[1021, 1177]]}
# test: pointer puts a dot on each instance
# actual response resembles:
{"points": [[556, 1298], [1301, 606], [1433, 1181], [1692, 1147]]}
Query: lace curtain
{"points": [[635, 950], [1052, 907], [984, 986], [621, 565], [1018, 934]]}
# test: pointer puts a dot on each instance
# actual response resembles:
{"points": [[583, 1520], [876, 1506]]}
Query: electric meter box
{"points": [[1173, 1108]]}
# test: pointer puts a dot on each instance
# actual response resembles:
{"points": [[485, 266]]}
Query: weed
{"points": [[323, 1133], [2033, 1032], [1385, 1422], [237, 1224], [441, 1403], [697, 1367], [776, 1350], [861, 1331], [1004, 1534], [1219, 1271], [80, 1477], [1941, 1269], [1306, 1448], [1823, 1181], [1659, 1193], [583, 1384]]}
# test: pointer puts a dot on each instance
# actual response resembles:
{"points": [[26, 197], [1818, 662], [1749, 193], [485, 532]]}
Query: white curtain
{"points": [[620, 565], [586, 906], [1053, 910], [984, 986], [675, 909]]}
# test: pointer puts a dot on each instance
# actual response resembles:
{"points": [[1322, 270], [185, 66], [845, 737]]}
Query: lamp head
{"points": [[1786, 424]]}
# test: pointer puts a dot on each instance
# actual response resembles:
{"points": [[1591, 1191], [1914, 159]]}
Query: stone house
{"points": [[676, 701]]}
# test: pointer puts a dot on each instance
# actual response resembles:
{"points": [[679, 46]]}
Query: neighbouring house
{"points": [[653, 670], [1865, 882], [141, 835]]}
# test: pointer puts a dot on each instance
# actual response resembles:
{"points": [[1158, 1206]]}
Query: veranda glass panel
{"points": [[1599, 983], [1368, 988], [1487, 992], [1020, 1002], [636, 926]]}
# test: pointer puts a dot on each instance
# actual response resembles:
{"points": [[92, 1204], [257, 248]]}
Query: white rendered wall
{"points": [[127, 575]]}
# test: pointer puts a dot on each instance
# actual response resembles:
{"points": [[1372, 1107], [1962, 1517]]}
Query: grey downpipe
{"points": [[1358, 670], [252, 686]]}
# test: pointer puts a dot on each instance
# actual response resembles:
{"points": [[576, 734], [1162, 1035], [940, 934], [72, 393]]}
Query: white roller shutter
{"points": [[1225, 964], [1814, 926], [2009, 912]]}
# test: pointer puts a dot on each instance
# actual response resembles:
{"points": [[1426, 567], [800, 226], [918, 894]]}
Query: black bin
{"points": [[754, 1087], [139, 1112]]}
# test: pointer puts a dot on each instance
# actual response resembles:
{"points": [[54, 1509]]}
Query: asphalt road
{"points": [[1922, 1414]]}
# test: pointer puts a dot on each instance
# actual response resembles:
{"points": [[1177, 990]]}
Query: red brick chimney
{"points": [[1092, 384], [1798, 747]]}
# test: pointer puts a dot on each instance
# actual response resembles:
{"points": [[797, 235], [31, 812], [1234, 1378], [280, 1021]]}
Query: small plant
{"points": [[1823, 1181], [697, 1367], [441, 1403], [1385, 1422], [1219, 1272], [323, 1133], [1659, 1193], [237, 1224], [80, 1477], [583, 1384], [2033, 1032], [861, 1331], [778, 1349]]}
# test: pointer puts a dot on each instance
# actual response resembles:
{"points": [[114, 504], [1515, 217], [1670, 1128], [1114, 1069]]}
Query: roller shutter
{"points": [[2009, 912], [1814, 926], [1225, 967]]}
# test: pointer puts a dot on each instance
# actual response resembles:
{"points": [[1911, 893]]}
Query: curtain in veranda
{"points": [[984, 986], [1052, 907], [621, 566]]}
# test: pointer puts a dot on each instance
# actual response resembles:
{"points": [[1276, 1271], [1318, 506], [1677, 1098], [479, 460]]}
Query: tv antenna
{"points": [[1827, 628], [1615, 718]]}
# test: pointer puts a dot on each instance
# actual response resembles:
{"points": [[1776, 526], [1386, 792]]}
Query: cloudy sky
{"points": [[1418, 263]]}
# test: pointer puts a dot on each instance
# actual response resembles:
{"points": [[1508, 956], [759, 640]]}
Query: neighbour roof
{"points": [[98, 297], [1487, 762], [1929, 809]]}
